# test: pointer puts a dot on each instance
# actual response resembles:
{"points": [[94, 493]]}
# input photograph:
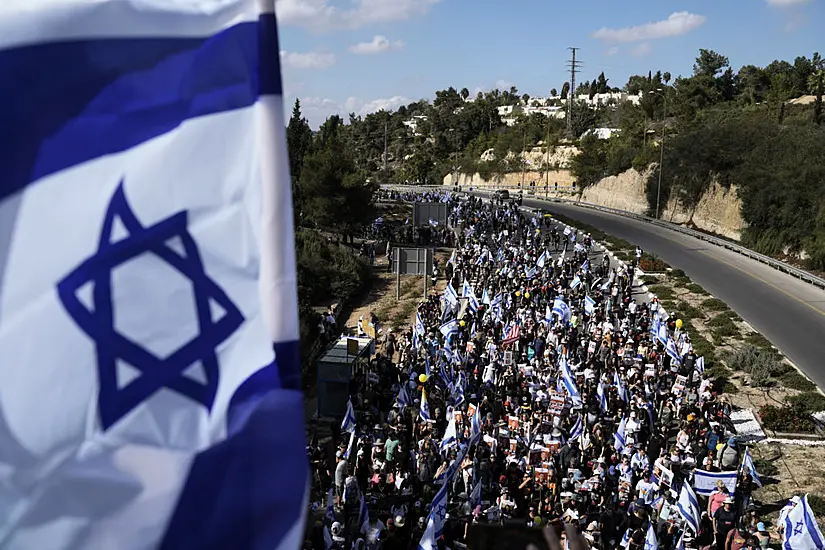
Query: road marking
{"points": [[758, 278]]}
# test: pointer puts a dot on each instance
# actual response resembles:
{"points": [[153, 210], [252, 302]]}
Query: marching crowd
{"points": [[537, 391]]}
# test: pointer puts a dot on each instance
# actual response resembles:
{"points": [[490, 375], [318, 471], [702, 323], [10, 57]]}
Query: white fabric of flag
{"points": [[147, 275], [450, 295], [619, 437], [575, 283], [348, 424], [542, 260], [449, 441], [688, 507], [468, 292], [589, 305], [617, 381], [435, 520], [705, 482], [577, 430], [561, 309], [651, 542], [424, 411], [602, 397], [449, 328], [801, 531], [747, 463]]}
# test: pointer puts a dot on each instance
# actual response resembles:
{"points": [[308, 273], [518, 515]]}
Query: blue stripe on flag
{"points": [[65, 103], [256, 478]]}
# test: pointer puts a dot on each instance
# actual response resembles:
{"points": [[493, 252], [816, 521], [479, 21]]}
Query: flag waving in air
{"points": [[147, 270]]}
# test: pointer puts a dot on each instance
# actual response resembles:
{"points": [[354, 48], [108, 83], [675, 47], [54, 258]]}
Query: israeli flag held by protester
{"points": [[747, 463], [681, 544], [602, 397], [688, 507], [403, 398], [530, 273], [542, 260], [475, 426], [705, 482], [448, 328], [577, 429], [589, 305], [329, 544], [801, 531], [619, 436], [617, 381], [671, 350], [350, 445], [424, 411], [572, 390], [574, 284], [561, 309], [450, 295], [147, 271], [449, 439], [435, 520], [475, 495], [626, 538], [329, 514], [651, 542], [468, 292], [579, 247], [348, 424], [700, 364]]}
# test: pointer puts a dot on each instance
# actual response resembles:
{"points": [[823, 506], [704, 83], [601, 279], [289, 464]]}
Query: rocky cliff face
{"points": [[719, 210]]}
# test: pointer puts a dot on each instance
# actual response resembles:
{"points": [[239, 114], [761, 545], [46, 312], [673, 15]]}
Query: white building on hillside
{"points": [[413, 122]]}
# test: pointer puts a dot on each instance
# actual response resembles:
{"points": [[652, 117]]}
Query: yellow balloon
{"points": [[462, 323], [526, 294], [422, 378], [678, 323], [518, 293]]}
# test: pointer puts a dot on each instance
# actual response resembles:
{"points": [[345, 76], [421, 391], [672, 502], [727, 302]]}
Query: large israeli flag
{"points": [[147, 266], [801, 531], [688, 507]]}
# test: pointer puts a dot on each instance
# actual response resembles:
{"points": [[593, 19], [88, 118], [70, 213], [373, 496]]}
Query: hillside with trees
{"points": [[734, 127]]}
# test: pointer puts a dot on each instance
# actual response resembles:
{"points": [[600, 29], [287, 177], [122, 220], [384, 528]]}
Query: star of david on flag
{"points": [[148, 300]]}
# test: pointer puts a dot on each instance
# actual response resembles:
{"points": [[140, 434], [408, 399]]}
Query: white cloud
{"points": [[612, 51], [641, 50], [324, 14], [317, 109], [377, 45], [308, 60], [676, 24], [503, 85], [783, 3]]}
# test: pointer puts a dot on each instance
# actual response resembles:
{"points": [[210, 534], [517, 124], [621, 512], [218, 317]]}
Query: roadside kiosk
{"points": [[336, 368]]}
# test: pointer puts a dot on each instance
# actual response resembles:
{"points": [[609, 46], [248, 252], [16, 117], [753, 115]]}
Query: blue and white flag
{"points": [[589, 305], [575, 283], [680, 545], [348, 424], [435, 520], [572, 390], [468, 292], [747, 463], [448, 440], [329, 513], [485, 298], [542, 260], [363, 513], [705, 482], [475, 426], [671, 350], [617, 381], [577, 429], [561, 309], [147, 270], [688, 507], [530, 273], [350, 445], [602, 397], [651, 542], [475, 495], [626, 538], [448, 328], [450, 296], [424, 411], [619, 436], [700, 364], [801, 531], [403, 397]]}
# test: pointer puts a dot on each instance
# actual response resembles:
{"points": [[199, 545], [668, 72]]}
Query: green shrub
{"points": [[687, 311], [723, 327], [786, 419], [650, 262], [662, 291], [759, 341], [796, 381], [696, 289], [809, 401], [678, 273], [714, 304]]}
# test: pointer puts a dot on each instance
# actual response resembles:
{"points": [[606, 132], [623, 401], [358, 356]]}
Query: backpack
{"points": [[713, 441]]}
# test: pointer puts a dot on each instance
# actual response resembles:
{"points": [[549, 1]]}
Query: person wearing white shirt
{"points": [[640, 461]]}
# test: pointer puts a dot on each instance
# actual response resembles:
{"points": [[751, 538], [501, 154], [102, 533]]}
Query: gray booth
{"points": [[335, 370]]}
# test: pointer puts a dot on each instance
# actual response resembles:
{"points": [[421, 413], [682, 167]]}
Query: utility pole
{"points": [[385, 152], [571, 93]]}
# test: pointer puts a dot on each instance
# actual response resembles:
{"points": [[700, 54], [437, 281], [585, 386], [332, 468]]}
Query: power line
{"points": [[575, 67]]}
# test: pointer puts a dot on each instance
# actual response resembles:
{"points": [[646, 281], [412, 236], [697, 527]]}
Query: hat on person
{"points": [[592, 526], [761, 527], [728, 500], [399, 521]]}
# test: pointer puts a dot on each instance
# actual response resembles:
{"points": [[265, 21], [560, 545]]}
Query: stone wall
{"points": [[718, 211]]}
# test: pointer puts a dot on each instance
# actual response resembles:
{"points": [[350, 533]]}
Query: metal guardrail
{"points": [[739, 249]]}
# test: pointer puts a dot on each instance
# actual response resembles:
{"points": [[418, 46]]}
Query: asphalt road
{"points": [[788, 312]]}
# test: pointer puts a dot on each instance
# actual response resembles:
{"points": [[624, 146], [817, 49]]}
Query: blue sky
{"points": [[340, 56]]}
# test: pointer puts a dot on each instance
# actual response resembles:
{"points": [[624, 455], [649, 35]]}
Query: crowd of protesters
{"points": [[536, 390]]}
